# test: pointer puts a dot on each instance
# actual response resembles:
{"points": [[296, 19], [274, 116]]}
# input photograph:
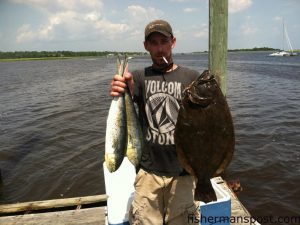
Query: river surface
{"points": [[53, 118]]}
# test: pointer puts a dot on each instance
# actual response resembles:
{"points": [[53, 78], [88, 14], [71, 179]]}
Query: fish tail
{"points": [[204, 191]]}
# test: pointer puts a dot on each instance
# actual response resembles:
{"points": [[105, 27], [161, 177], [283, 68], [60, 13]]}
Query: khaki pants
{"points": [[163, 200]]}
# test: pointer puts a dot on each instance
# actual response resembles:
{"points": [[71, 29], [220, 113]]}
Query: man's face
{"points": [[160, 46]]}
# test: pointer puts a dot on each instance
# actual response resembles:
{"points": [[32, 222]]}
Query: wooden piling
{"points": [[218, 29]]}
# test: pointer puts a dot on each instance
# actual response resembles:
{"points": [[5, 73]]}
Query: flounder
{"points": [[204, 134]]}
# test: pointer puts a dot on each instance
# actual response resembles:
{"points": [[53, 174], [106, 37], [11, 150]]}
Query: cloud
{"points": [[277, 18], [139, 14], [70, 20], [248, 27], [54, 6], [25, 33], [44, 33], [201, 34], [49, 31], [238, 5], [248, 30], [203, 31], [74, 20], [178, 0], [111, 30], [190, 10]]}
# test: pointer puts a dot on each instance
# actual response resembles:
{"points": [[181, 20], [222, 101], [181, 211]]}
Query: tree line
{"points": [[47, 54], [253, 49]]}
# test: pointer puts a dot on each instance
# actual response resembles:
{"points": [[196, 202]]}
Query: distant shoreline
{"points": [[58, 55], [55, 55], [262, 49], [27, 59]]}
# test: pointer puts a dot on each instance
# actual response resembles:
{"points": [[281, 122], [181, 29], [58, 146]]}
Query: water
{"points": [[53, 118]]}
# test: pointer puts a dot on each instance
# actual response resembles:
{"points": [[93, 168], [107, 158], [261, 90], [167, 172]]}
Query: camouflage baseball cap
{"points": [[160, 26]]}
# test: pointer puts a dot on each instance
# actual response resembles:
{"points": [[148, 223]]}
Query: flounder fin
{"points": [[199, 100], [206, 75], [191, 94]]}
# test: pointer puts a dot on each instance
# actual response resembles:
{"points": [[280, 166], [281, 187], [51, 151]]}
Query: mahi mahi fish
{"points": [[134, 132], [123, 130], [116, 129], [204, 134]]}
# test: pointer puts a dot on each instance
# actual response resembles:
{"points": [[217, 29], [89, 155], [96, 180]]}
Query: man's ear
{"points": [[173, 42], [146, 46]]}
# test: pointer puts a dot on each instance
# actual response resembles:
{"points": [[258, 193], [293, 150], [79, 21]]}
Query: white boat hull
{"points": [[282, 53]]}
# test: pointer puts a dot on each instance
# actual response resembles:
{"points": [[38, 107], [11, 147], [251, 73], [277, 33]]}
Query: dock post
{"points": [[218, 29]]}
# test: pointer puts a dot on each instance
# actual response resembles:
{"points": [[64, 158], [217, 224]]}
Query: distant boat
{"points": [[110, 55], [285, 37], [282, 53]]}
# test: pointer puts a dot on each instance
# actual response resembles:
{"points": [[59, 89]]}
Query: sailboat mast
{"points": [[283, 35], [285, 41], [288, 39]]}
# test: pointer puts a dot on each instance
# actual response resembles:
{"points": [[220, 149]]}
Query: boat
{"points": [[282, 53], [285, 37]]}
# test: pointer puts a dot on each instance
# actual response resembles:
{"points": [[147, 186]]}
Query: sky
{"points": [[118, 25]]}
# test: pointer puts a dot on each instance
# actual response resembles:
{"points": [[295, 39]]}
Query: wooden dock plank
{"points": [[50, 204], [96, 215], [89, 216], [239, 214]]}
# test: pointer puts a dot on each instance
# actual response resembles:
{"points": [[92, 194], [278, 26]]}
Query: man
{"points": [[164, 190]]}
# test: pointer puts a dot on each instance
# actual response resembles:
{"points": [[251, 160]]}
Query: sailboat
{"points": [[285, 37]]}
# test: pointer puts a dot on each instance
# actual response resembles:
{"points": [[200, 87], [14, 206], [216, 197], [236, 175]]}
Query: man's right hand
{"points": [[119, 83]]}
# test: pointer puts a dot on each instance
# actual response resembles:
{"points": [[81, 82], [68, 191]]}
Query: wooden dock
{"points": [[84, 210]]}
